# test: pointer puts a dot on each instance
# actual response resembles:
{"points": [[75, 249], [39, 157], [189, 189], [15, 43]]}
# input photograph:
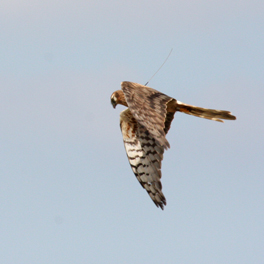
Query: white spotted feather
{"points": [[144, 156]]}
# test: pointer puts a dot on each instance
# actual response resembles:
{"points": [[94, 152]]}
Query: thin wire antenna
{"points": [[159, 68]]}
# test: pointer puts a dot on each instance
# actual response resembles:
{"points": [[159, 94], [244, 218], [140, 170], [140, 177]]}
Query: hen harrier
{"points": [[144, 126]]}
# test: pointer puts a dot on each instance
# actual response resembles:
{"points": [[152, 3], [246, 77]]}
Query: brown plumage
{"points": [[144, 126]]}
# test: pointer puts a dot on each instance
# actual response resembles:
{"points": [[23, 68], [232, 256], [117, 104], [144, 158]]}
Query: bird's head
{"points": [[118, 97]]}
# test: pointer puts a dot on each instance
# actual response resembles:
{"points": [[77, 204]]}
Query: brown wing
{"points": [[144, 156], [149, 107]]}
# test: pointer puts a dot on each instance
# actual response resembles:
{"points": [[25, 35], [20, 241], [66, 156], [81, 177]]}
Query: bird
{"points": [[144, 125]]}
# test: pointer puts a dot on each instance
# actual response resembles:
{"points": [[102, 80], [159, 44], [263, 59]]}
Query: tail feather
{"points": [[216, 115]]}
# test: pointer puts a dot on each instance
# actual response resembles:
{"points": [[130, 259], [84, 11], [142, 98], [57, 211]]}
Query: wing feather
{"points": [[144, 156], [149, 107]]}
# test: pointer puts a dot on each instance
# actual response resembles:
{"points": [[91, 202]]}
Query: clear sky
{"points": [[67, 192]]}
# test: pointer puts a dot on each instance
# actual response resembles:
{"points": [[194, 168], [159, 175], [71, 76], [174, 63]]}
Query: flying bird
{"points": [[144, 125]]}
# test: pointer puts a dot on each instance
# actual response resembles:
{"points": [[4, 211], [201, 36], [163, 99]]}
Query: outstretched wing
{"points": [[149, 107], [144, 156]]}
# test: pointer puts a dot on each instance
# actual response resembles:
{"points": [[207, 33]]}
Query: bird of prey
{"points": [[144, 125]]}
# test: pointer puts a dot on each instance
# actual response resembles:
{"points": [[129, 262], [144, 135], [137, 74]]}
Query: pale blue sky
{"points": [[67, 193]]}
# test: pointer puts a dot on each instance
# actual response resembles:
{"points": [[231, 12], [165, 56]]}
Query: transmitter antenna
{"points": [[159, 68]]}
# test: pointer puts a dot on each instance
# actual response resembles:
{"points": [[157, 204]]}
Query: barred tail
{"points": [[211, 114]]}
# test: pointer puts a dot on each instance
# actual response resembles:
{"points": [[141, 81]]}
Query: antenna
{"points": [[159, 68]]}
